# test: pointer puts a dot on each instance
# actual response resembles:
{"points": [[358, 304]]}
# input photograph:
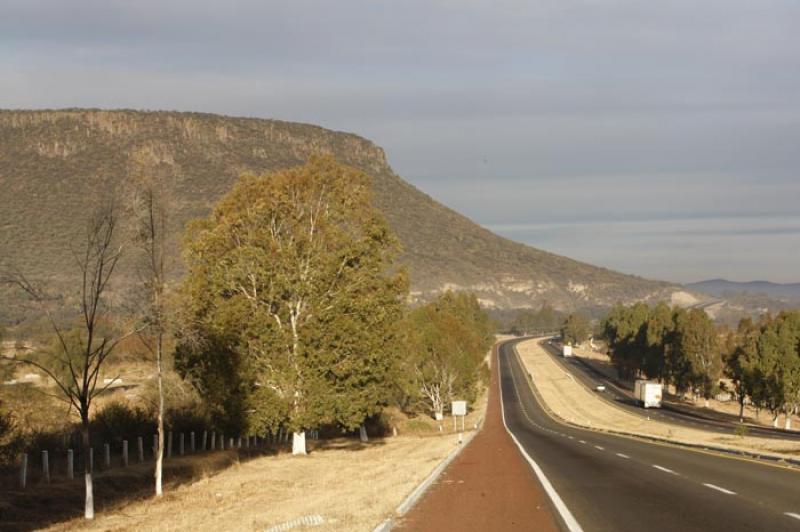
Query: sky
{"points": [[655, 138]]}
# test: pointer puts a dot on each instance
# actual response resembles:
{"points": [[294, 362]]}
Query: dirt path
{"points": [[488, 486]]}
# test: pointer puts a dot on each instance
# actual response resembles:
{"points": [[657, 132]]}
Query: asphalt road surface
{"points": [[624, 398], [617, 483]]}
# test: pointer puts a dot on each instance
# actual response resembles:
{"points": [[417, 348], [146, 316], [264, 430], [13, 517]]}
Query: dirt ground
{"points": [[488, 486], [573, 402]]}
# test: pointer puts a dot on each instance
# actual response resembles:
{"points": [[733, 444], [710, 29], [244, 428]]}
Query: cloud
{"points": [[512, 111]]}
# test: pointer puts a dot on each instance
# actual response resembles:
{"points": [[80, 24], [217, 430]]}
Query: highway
{"points": [[616, 483], [624, 399]]}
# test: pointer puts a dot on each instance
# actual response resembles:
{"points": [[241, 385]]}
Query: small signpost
{"points": [[459, 408]]}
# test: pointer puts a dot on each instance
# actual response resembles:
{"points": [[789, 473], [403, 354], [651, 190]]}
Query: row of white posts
{"points": [[206, 443]]}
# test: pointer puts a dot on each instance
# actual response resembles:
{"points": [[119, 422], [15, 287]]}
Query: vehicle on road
{"points": [[566, 351], [647, 393], [600, 387]]}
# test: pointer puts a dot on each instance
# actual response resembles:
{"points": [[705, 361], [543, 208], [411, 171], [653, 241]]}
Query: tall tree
{"points": [[150, 217], [697, 344], [447, 341], [284, 282], [576, 329], [80, 354]]}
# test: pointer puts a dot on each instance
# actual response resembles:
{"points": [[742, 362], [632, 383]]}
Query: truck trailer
{"points": [[647, 393], [566, 350]]}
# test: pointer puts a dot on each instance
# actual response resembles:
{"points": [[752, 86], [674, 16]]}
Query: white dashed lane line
{"points": [[582, 441], [664, 469], [792, 514], [623, 456], [599, 448], [723, 490]]}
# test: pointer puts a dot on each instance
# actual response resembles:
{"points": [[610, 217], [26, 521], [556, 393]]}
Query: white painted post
{"points": [[140, 448], [180, 444], [45, 467], [70, 464], [23, 471], [239, 443], [124, 453], [221, 442], [213, 440], [362, 433], [394, 431], [107, 450], [230, 443], [205, 440], [191, 442], [169, 444]]}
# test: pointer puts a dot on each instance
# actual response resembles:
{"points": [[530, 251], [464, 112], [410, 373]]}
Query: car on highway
{"points": [[600, 387]]}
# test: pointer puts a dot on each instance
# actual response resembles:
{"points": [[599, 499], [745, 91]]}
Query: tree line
{"points": [[760, 360], [293, 312]]}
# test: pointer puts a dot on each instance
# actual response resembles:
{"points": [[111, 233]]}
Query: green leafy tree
{"points": [[696, 345], [576, 329], [625, 331], [291, 301], [447, 341], [659, 328]]}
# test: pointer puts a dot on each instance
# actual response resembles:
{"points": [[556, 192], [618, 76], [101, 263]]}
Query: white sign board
{"points": [[459, 408]]}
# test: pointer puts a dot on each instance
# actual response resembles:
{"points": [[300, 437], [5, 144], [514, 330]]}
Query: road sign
{"points": [[459, 408]]}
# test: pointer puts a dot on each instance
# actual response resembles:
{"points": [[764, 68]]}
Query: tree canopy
{"points": [[293, 300]]}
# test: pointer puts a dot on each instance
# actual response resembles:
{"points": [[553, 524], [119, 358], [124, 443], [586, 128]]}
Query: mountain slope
{"points": [[52, 163], [723, 288]]}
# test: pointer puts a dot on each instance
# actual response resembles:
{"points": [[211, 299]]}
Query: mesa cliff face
{"points": [[54, 163]]}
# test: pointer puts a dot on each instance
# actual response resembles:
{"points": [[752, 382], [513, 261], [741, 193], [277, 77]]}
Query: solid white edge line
{"points": [[723, 490], [792, 514], [569, 520]]}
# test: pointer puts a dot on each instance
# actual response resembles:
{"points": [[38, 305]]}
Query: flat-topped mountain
{"points": [[53, 163]]}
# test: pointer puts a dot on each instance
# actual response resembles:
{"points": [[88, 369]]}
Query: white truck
{"points": [[647, 393], [566, 350]]}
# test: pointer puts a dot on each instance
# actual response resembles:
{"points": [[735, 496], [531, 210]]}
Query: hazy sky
{"points": [[657, 138]]}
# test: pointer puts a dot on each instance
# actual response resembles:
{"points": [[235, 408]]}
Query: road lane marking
{"points": [[582, 441], [569, 520], [599, 448], [623, 455], [723, 490], [664, 469], [792, 514]]}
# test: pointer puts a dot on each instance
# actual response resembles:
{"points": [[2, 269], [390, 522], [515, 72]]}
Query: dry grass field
{"points": [[352, 486], [573, 402]]}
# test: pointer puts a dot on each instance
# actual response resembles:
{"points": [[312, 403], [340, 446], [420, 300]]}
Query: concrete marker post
{"points": [[23, 471], [213, 440], [140, 448], [180, 444], [46, 466], [205, 441], [124, 453], [239, 443], [191, 442]]}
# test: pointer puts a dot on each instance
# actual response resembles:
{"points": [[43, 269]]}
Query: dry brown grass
{"points": [[573, 402], [353, 486]]}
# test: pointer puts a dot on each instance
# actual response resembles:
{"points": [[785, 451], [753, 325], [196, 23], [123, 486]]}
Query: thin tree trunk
{"points": [[88, 511], [160, 450], [741, 408]]}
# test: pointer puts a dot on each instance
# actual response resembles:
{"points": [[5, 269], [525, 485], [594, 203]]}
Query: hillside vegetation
{"points": [[53, 164]]}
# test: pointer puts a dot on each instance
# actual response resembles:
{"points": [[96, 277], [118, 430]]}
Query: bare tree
{"points": [[150, 229], [81, 354]]}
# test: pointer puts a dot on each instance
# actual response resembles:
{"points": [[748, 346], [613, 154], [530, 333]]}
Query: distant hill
{"points": [[724, 289], [52, 163]]}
